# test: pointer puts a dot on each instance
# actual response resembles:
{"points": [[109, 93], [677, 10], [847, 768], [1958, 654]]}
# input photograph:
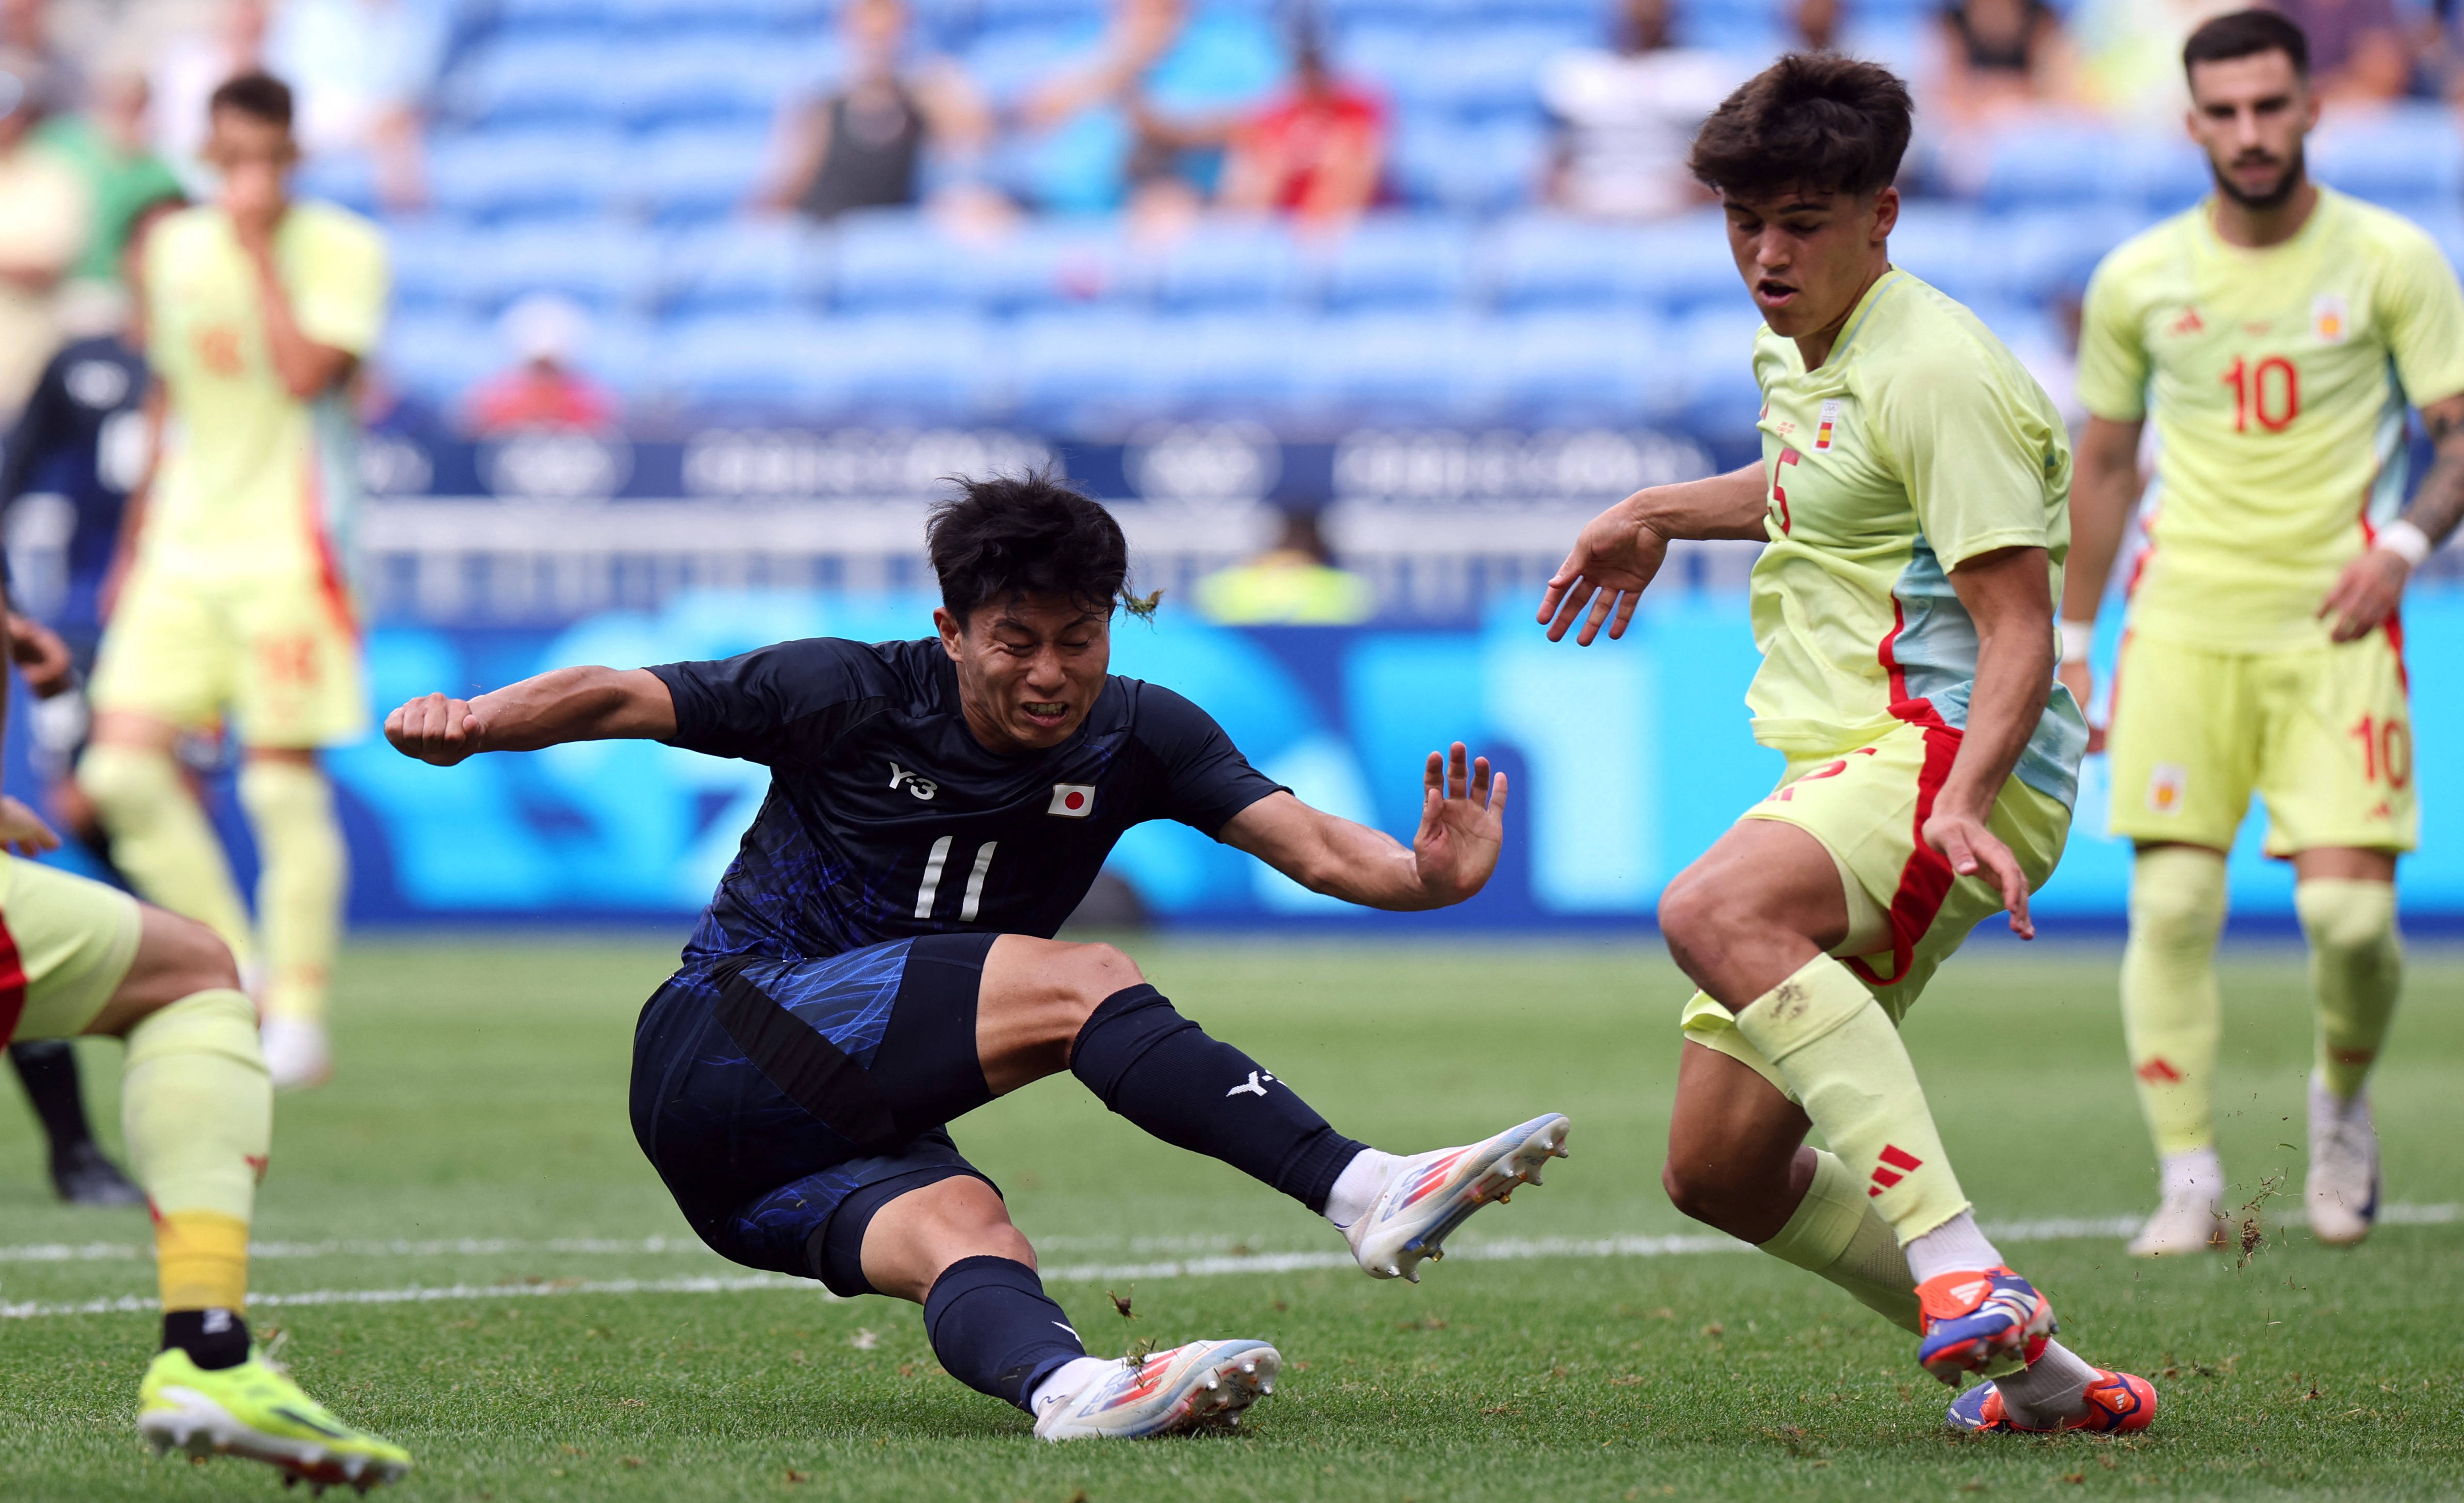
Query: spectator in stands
{"points": [[191, 60], [1295, 582], [365, 70], [1160, 74], [2000, 59], [1626, 115], [864, 143], [545, 388], [44, 213], [2359, 53], [1315, 153], [1817, 24], [107, 146]]}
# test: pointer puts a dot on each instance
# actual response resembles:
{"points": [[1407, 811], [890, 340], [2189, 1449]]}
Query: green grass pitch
{"points": [[475, 1136]]}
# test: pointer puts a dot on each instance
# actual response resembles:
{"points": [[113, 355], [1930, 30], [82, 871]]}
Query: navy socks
{"points": [[996, 1330], [1159, 1070]]}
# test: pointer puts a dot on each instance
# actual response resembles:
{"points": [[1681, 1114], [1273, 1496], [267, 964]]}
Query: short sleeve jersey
{"points": [[1920, 444], [2278, 380], [887, 820], [253, 481]]}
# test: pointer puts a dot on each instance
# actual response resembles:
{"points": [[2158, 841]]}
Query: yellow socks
{"points": [[299, 897], [159, 838], [1836, 1234], [1844, 1061], [2356, 969], [2170, 1011], [198, 1114]]}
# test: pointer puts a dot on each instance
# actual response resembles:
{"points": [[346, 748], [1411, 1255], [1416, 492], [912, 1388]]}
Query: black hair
{"points": [[1812, 120], [257, 94], [2247, 34], [1012, 535]]}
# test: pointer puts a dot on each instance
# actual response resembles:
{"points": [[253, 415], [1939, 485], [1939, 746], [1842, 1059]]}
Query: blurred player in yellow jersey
{"points": [[2275, 333], [234, 612]]}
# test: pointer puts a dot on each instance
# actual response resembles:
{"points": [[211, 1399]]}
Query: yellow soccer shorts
{"points": [[69, 942], [1907, 909], [282, 656], [2323, 735]]}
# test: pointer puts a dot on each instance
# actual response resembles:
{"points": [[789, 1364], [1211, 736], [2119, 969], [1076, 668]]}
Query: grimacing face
{"points": [[2249, 115], [1806, 256], [1029, 668]]}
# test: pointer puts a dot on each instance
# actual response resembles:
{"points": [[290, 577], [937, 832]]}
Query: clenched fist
{"points": [[436, 729]]}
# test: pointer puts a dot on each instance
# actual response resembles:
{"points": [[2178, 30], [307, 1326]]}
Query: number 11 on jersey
{"points": [[936, 862]]}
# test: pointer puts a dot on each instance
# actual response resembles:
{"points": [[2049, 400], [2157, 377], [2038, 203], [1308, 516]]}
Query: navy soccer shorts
{"points": [[770, 1093]]}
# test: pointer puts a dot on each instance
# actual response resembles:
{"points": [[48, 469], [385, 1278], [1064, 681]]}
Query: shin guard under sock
{"points": [[48, 1068], [2356, 970], [996, 1330], [162, 842], [2171, 1015], [1837, 1235], [1161, 1071], [198, 1113], [1844, 1061], [300, 895]]}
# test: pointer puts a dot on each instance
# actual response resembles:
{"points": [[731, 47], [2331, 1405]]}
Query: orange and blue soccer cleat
{"points": [[1203, 1385], [1974, 1318], [1428, 1195], [2118, 1403]]}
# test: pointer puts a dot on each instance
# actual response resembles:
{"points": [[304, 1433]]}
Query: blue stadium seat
{"points": [[607, 265], [747, 362], [695, 173], [1229, 366], [1947, 244], [2161, 174], [1230, 264], [1539, 261], [1006, 61], [893, 258], [547, 78], [706, 82], [1053, 263], [1467, 168], [1716, 369], [750, 19], [1084, 372], [742, 266], [1390, 261], [624, 351], [548, 17], [1686, 263], [1608, 366], [497, 175], [431, 258], [2405, 157], [1390, 367], [890, 368], [1492, 69], [438, 356], [2048, 252], [2052, 165]]}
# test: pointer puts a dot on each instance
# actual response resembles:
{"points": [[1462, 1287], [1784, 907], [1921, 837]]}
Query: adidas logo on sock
{"points": [[1894, 1158], [2160, 1070]]}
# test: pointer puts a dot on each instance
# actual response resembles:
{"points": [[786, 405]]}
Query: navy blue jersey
{"points": [[79, 437], [887, 820]]}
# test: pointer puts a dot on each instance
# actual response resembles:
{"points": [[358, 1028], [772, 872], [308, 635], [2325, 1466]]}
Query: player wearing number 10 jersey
{"points": [[2275, 333], [879, 960]]}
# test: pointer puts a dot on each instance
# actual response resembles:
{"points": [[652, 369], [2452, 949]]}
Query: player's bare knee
{"points": [[1691, 914], [1095, 971], [1693, 1189], [195, 958]]}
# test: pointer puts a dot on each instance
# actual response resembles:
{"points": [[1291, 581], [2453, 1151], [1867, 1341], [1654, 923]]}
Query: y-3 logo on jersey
{"points": [[920, 787]]}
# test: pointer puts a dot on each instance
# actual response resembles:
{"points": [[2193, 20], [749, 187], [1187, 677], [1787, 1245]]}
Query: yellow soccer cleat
{"points": [[255, 1410]]}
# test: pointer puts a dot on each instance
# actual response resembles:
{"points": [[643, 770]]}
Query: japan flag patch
{"points": [[1072, 800]]}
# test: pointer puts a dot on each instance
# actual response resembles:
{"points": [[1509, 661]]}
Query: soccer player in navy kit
{"points": [[878, 959]]}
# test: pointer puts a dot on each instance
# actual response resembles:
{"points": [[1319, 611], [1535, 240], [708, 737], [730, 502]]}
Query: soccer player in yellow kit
{"points": [[79, 958], [257, 310], [2275, 333], [1912, 500]]}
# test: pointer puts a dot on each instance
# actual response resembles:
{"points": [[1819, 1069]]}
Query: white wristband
{"points": [[2077, 637], [2405, 540]]}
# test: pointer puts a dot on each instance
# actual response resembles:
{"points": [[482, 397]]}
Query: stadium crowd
{"points": [[609, 212]]}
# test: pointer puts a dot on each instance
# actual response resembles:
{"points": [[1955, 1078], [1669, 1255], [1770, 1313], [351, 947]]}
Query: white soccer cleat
{"points": [[1428, 1195], [296, 1055], [2190, 1220], [1203, 1385], [2342, 1185]]}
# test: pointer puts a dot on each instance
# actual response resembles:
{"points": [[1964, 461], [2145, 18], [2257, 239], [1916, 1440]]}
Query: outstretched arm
{"points": [[2009, 597], [1462, 823], [557, 706], [1621, 549], [2371, 585]]}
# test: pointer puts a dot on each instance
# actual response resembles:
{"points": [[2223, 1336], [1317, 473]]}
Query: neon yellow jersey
{"points": [[2278, 380], [1920, 443], [253, 481]]}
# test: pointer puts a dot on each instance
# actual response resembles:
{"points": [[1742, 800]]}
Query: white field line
{"points": [[1501, 1249]]}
